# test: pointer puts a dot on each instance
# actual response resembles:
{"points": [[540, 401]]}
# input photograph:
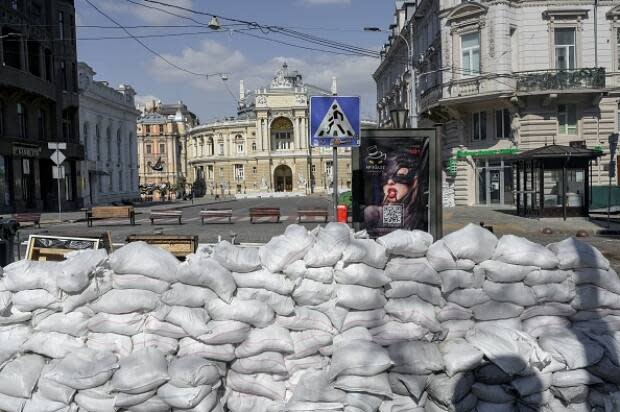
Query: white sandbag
{"points": [[74, 324], [118, 344], [304, 319], [96, 400], [400, 404], [296, 270], [543, 277], [496, 310], [52, 390], [531, 384], [504, 272], [566, 379], [313, 406], [365, 251], [571, 347], [418, 270], [516, 293], [142, 371], [403, 289], [468, 298], [414, 309], [453, 311], [549, 309], [322, 274], [283, 250], [510, 323], [191, 347], [11, 339], [592, 297], [208, 273], [406, 243], [236, 258], [183, 398], [29, 300], [19, 377], [243, 402], [573, 254], [191, 371], [394, 332], [39, 403], [180, 294], [99, 285], [457, 328], [460, 279], [153, 404], [359, 358], [11, 404], [310, 293], [75, 271], [450, 391], [281, 304], [315, 386], [14, 316], [84, 369], [418, 358], [29, 275], [440, 257], [254, 312], [258, 384], [375, 385], [53, 345], [364, 318], [359, 297], [352, 335], [128, 324], [157, 327], [263, 279], [605, 279], [192, 320], [472, 242], [120, 301], [165, 345], [139, 282], [5, 301], [539, 325], [607, 324], [273, 338], [309, 342], [311, 362], [220, 332], [265, 362], [140, 258], [360, 274], [555, 292], [459, 356], [331, 241], [335, 313], [208, 404], [408, 384], [125, 400], [520, 251]]}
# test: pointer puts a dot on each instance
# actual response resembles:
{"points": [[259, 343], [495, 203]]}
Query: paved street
{"points": [[503, 222]]}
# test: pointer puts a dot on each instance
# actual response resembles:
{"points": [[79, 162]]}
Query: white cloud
{"points": [[327, 1], [147, 14]]}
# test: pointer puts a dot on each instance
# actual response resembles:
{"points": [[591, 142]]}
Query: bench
{"points": [[216, 213], [306, 213], [256, 212], [35, 218], [166, 214], [110, 212]]}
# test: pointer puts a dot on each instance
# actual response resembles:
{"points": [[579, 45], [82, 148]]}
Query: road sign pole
{"points": [[335, 181], [59, 201]]}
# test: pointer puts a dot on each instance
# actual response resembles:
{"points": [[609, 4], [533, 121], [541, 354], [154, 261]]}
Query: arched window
{"points": [[210, 147], [239, 144], [254, 146], [281, 134]]}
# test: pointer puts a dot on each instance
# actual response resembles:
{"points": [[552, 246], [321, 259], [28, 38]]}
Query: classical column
{"points": [[296, 131], [266, 136]]}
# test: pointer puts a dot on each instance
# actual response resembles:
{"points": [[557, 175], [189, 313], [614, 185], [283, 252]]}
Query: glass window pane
{"points": [[467, 67], [565, 37], [498, 124], [483, 125], [560, 58], [571, 57], [507, 121], [470, 40], [476, 126], [475, 61]]}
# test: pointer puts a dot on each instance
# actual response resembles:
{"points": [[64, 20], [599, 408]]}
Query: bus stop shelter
{"points": [[554, 181]]}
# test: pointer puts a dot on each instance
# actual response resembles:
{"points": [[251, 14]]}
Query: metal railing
{"points": [[569, 79]]}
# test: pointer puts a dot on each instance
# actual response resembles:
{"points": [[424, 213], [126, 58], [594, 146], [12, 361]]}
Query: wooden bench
{"points": [[216, 213], [306, 213], [110, 212], [256, 212], [165, 214], [35, 218]]}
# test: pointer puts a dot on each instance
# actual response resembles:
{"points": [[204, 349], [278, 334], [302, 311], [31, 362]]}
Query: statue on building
{"points": [[263, 183]]}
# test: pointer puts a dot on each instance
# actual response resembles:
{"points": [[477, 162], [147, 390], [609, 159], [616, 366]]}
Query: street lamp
{"points": [[413, 110]]}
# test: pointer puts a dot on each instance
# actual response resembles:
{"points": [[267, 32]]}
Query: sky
{"points": [[230, 50]]}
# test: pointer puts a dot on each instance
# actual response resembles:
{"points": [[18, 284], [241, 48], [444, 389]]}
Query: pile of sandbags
{"points": [[325, 320]]}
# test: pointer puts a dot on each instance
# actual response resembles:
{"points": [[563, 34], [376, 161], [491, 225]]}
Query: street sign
{"points": [[335, 121], [57, 146], [57, 157], [58, 172]]}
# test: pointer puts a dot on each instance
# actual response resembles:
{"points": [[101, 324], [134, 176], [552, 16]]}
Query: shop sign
{"points": [[21, 150], [461, 154]]}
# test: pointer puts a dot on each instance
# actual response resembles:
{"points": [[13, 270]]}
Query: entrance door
{"points": [[494, 182], [283, 179], [495, 190]]}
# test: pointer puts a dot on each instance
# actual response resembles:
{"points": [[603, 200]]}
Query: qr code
{"points": [[392, 215]]}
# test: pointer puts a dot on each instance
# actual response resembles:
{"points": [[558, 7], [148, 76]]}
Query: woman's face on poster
{"points": [[397, 186]]}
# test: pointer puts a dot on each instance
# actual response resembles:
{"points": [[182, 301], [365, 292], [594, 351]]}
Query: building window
{"points": [[253, 147], [282, 140], [479, 126], [63, 74], [502, 124], [239, 147], [565, 48], [162, 148], [210, 172], [148, 149], [161, 129], [42, 124], [22, 121], [98, 143], [221, 149], [313, 168], [61, 25], [253, 170], [239, 174], [470, 54], [567, 119]]}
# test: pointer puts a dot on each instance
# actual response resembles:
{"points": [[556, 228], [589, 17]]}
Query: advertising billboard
{"points": [[396, 181]]}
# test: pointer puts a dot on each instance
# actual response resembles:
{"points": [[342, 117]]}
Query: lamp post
{"points": [[413, 109]]}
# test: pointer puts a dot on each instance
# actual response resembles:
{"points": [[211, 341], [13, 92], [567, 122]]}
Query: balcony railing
{"points": [[552, 80]]}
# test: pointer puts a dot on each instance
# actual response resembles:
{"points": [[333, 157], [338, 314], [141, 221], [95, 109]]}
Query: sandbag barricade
{"points": [[316, 321]]}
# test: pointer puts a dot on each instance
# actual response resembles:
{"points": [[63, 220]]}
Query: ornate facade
{"points": [[265, 148]]}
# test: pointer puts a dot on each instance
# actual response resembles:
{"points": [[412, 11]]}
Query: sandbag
{"points": [[418, 270], [265, 362], [220, 332], [335, 313], [406, 243], [308, 342], [183, 398], [539, 325], [121, 301], [501, 272], [359, 297], [472, 242], [30, 300], [19, 377], [520, 251], [169, 330], [555, 292], [543, 277], [413, 309], [272, 338], [11, 403], [449, 391], [359, 358], [365, 318], [566, 379], [243, 402], [74, 324], [180, 294], [315, 386], [263, 279], [95, 400], [459, 356], [331, 241], [5, 301], [39, 403], [496, 310], [129, 324], [29, 275], [360, 274], [440, 258], [153, 404], [365, 251], [322, 274], [11, 339], [283, 250], [375, 385], [84, 369], [139, 282], [192, 320], [75, 271], [52, 345], [125, 400], [468, 298], [452, 311], [573, 254], [496, 394], [408, 384], [304, 319], [281, 304], [191, 347], [403, 289], [571, 347], [258, 384], [208, 273], [236, 258], [142, 371], [253, 312], [549, 309], [118, 344], [418, 358], [394, 332], [516, 293], [460, 279], [592, 297], [310, 293], [99, 286], [191, 371], [140, 258], [605, 279]]}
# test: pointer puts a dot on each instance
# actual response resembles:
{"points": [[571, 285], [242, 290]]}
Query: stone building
{"points": [[162, 135], [38, 104], [502, 77], [108, 133], [265, 149]]}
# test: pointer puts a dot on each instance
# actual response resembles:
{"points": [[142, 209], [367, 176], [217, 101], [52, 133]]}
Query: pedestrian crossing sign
{"points": [[334, 121]]}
